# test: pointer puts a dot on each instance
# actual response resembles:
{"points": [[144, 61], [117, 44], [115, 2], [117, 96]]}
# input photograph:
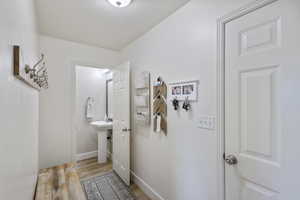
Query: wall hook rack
{"points": [[35, 76]]}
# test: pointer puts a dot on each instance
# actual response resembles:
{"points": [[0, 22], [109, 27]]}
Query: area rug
{"points": [[106, 187]]}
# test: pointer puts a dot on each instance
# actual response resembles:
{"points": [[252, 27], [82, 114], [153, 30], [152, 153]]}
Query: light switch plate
{"points": [[207, 122]]}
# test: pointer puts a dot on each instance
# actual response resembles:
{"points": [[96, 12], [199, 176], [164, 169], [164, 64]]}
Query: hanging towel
{"points": [[89, 108], [154, 123], [158, 123]]}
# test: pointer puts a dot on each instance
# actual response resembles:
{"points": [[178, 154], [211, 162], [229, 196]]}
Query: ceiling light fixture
{"points": [[120, 3]]}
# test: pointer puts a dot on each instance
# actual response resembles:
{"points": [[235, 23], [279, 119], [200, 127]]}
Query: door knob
{"points": [[231, 160]]}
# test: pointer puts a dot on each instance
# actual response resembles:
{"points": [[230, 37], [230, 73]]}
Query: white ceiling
{"points": [[96, 22]]}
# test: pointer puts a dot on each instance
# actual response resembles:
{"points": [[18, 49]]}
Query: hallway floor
{"points": [[90, 167]]}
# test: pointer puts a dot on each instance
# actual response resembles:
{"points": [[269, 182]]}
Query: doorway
{"points": [[91, 105], [117, 111]]}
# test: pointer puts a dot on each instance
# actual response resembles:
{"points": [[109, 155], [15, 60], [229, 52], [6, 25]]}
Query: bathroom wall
{"points": [[18, 103], [90, 82], [57, 104], [183, 164]]}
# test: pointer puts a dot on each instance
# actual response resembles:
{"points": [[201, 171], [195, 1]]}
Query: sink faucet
{"points": [[109, 119]]}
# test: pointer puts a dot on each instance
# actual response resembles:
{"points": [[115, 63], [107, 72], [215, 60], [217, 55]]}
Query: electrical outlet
{"points": [[207, 122]]}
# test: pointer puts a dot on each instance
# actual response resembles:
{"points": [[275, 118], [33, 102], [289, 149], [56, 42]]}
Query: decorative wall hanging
{"points": [[184, 90], [35, 76], [142, 98], [160, 105]]}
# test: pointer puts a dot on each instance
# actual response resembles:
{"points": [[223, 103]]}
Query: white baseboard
{"points": [[146, 188], [87, 155]]}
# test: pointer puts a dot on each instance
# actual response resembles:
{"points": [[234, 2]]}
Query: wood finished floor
{"points": [[90, 167], [59, 183]]}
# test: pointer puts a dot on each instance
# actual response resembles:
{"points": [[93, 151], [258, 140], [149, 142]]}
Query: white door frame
{"points": [[73, 138], [221, 23]]}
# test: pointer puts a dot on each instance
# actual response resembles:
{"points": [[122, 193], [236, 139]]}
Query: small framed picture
{"points": [[177, 90], [188, 89], [183, 90]]}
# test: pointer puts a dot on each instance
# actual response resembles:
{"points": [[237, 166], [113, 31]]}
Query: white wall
{"points": [[18, 103], [57, 103], [183, 164], [90, 82]]}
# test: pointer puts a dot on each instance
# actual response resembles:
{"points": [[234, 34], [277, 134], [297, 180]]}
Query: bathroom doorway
{"points": [[92, 104]]}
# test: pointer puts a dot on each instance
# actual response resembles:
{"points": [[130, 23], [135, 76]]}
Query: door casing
{"points": [[73, 117], [221, 24]]}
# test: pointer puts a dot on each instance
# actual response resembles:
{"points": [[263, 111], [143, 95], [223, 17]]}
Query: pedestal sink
{"points": [[102, 127]]}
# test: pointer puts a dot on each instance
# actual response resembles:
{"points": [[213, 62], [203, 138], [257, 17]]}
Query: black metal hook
{"points": [[175, 103], [186, 104]]}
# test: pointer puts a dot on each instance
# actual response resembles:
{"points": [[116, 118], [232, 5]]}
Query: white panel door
{"points": [[121, 121], [257, 57]]}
